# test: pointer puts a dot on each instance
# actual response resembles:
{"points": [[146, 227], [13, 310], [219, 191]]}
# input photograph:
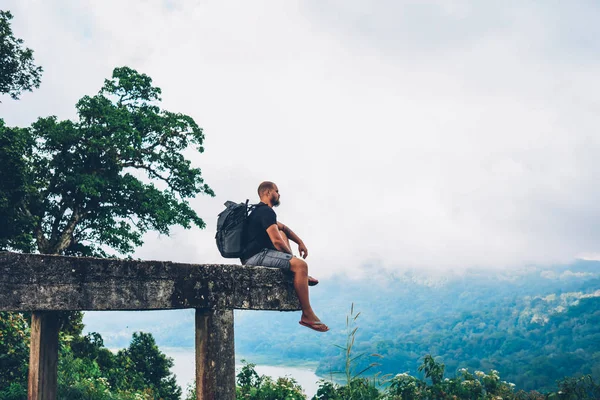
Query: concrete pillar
{"points": [[43, 356], [215, 355]]}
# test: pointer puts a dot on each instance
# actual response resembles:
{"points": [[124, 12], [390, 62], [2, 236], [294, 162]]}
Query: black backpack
{"points": [[231, 227]]}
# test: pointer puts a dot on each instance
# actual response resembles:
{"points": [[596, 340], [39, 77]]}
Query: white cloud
{"points": [[435, 135]]}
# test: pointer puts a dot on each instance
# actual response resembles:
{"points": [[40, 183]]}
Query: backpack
{"points": [[231, 227]]}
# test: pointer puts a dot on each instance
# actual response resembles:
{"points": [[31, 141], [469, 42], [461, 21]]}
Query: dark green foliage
{"points": [[144, 366], [532, 355], [432, 369], [16, 227], [358, 389], [327, 391], [577, 388], [14, 354], [87, 370], [17, 71], [15, 391], [464, 386], [533, 330], [80, 378], [405, 387], [190, 392], [78, 187], [477, 386], [87, 187], [103, 180], [253, 387]]}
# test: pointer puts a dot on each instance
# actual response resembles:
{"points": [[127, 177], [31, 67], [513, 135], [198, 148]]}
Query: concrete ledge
{"points": [[43, 282]]}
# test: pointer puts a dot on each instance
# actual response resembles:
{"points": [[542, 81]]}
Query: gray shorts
{"points": [[269, 258]]}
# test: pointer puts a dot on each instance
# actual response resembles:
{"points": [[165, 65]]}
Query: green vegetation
{"points": [[435, 386], [533, 355], [17, 70], [105, 179], [96, 184], [350, 358], [429, 383], [534, 326], [86, 187], [14, 352], [88, 370]]}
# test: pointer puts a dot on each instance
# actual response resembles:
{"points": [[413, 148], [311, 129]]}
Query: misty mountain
{"points": [[534, 325]]}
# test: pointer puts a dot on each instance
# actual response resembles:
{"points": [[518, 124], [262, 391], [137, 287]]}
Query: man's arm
{"points": [[278, 242], [295, 238], [289, 233]]}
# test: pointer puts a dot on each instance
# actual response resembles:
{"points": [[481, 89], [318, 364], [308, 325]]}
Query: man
{"points": [[267, 245]]}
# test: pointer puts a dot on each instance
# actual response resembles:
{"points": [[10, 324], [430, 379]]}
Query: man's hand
{"points": [[302, 250]]}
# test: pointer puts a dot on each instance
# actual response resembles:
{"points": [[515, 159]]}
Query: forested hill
{"points": [[533, 325]]}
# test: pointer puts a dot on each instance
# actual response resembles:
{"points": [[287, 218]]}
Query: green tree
{"points": [[327, 391], [406, 387], [432, 369], [144, 366], [102, 181], [17, 70], [15, 226], [14, 351], [83, 376], [86, 186], [248, 381], [251, 386], [583, 387]]}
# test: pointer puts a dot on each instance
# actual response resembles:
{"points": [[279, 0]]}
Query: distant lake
{"points": [[185, 370]]}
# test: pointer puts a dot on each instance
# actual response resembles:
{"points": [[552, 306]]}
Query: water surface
{"points": [[184, 369]]}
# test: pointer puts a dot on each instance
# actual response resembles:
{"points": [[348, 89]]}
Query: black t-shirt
{"points": [[256, 237]]}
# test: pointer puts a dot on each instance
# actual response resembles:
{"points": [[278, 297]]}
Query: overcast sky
{"points": [[402, 134]]}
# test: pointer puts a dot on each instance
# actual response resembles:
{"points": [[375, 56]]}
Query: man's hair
{"points": [[263, 187]]}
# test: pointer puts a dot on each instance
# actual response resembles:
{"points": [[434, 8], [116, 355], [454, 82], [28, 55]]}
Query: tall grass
{"points": [[351, 359]]}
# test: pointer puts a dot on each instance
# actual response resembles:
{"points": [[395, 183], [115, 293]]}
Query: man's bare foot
{"points": [[312, 281]]}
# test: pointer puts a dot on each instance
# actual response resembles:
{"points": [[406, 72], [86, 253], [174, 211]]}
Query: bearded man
{"points": [[268, 245]]}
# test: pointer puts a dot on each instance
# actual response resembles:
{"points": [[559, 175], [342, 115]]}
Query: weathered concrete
{"points": [[45, 284], [33, 282], [43, 356], [215, 355]]}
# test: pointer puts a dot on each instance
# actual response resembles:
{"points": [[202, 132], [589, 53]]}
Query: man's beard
{"points": [[275, 201]]}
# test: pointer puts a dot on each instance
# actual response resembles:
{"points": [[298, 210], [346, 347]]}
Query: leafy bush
{"points": [[254, 387]]}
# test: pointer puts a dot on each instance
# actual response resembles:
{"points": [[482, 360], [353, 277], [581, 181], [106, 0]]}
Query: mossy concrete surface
{"points": [[45, 282]]}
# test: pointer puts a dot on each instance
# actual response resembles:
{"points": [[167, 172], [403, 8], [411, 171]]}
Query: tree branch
{"points": [[58, 218], [67, 235], [40, 239], [152, 172]]}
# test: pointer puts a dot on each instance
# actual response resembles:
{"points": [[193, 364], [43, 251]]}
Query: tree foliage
{"points": [[531, 329], [108, 177], [15, 227], [464, 386], [251, 386], [145, 366], [14, 350], [87, 370], [17, 70]]}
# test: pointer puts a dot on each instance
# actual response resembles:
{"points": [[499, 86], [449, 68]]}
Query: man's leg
{"points": [[311, 281], [300, 270]]}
